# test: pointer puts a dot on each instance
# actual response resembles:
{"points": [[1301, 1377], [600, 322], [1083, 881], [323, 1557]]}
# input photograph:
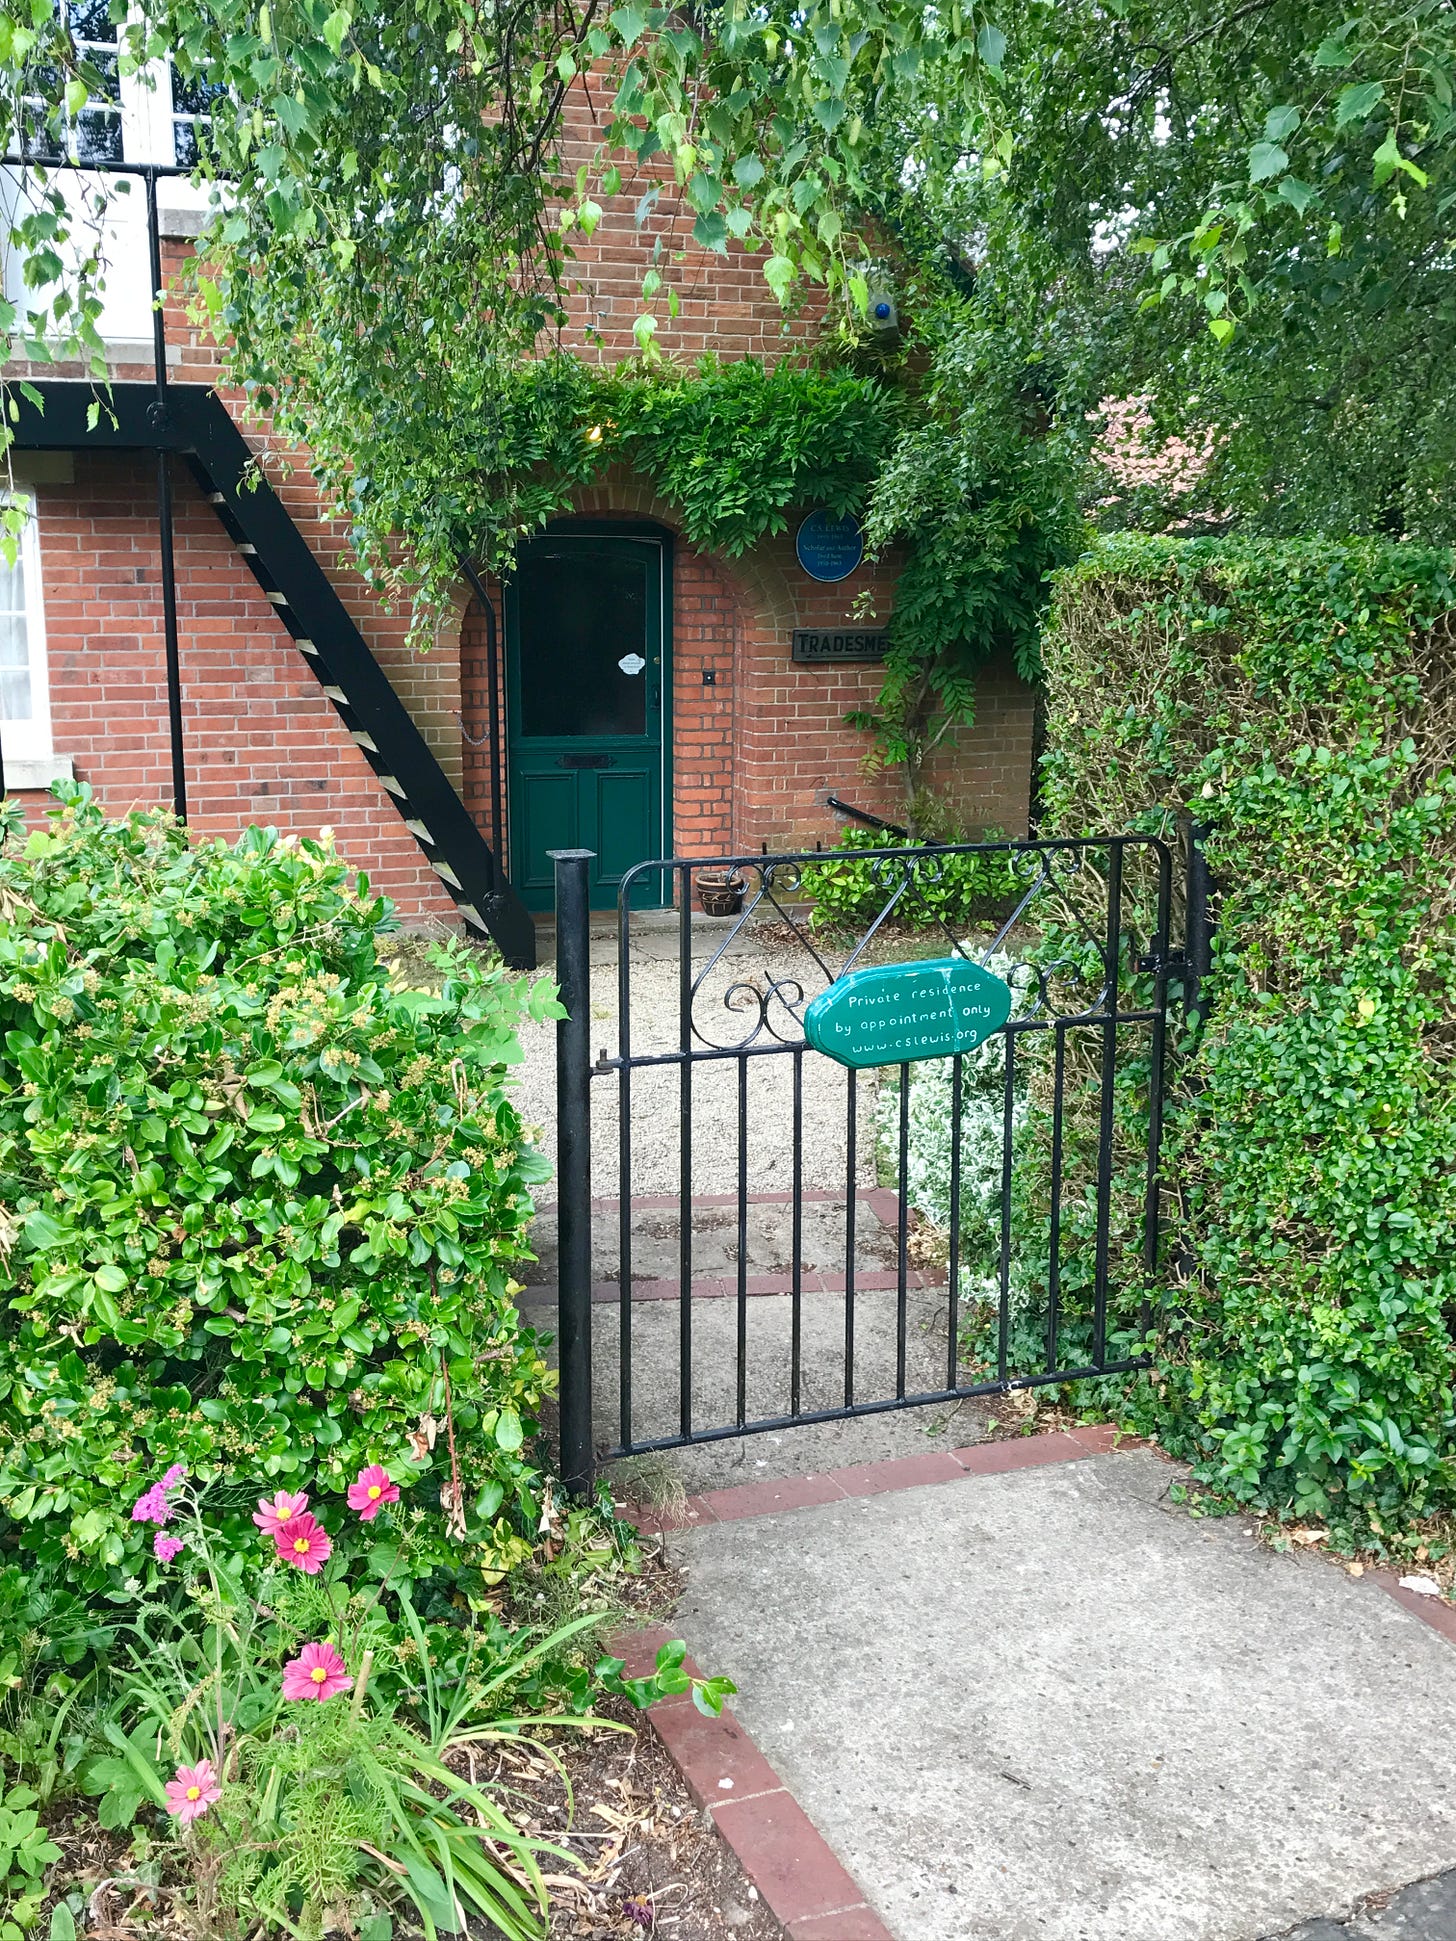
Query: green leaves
{"points": [[778, 273], [1388, 158], [1266, 159], [1358, 102], [991, 46], [630, 24], [269, 1188]]}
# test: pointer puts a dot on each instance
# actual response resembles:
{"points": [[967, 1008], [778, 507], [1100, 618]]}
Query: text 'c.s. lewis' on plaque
{"points": [[893, 1013]]}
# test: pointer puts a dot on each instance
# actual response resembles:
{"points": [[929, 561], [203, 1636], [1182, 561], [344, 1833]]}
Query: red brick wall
{"points": [[262, 742], [755, 755], [726, 307]]}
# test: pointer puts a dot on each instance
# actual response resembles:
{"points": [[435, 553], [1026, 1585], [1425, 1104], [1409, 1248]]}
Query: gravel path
{"points": [[754, 958]]}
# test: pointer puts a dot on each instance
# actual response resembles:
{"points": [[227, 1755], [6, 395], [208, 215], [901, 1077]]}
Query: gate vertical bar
{"points": [[851, 1182], [624, 1168], [1112, 972], [1156, 1060], [685, 1153], [796, 1241], [742, 1315], [1198, 929], [573, 1166], [953, 1327], [1054, 1229], [902, 1239]]}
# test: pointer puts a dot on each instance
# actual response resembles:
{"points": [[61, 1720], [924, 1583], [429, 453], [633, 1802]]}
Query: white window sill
{"points": [[35, 771]]}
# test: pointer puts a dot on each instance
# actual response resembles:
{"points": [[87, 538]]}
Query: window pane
{"points": [[39, 142], [98, 136], [91, 20], [16, 699], [580, 614], [15, 696], [193, 97]]}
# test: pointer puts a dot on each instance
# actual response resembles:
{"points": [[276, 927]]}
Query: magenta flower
{"points": [[174, 1476], [165, 1548], [272, 1515], [152, 1506], [317, 1672], [193, 1790], [371, 1490], [304, 1542]]}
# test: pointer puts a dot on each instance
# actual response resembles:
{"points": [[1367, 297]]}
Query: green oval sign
{"points": [[892, 1013]]}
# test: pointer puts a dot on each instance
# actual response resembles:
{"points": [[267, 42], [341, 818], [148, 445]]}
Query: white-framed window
{"points": [[25, 702], [157, 116], [154, 116]]}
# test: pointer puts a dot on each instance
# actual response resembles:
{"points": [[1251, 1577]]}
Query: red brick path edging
{"points": [[901, 1472], [781, 1851]]}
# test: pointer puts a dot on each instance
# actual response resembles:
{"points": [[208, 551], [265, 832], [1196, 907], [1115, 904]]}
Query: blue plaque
{"points": [[829, 548]]}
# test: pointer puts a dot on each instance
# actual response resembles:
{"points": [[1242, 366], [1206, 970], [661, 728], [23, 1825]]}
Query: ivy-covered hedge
{"points": [[1300, 700], [260, 1199]]}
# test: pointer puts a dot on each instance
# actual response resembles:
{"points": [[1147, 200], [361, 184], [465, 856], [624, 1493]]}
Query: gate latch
{"points": [[1172, 963]]}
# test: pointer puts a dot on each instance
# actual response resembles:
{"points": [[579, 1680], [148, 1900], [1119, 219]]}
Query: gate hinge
{"points": [[1171, 963]]}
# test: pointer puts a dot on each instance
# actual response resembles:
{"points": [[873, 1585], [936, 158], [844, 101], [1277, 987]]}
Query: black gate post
{"points": [[1198, 927], [573, 1166]]}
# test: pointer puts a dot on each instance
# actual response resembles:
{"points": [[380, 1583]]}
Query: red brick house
{"points": [[624, 692]]}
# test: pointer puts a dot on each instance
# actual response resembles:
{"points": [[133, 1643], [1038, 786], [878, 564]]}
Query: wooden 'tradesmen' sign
{"points": [[817, 644]]}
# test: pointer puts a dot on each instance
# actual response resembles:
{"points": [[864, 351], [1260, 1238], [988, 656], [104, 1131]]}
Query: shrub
{"points": [[944, 889], [260, 1202], [1298, 699]]}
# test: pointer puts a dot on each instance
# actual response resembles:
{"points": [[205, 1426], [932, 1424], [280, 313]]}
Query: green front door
{"points": [[586, 648]]}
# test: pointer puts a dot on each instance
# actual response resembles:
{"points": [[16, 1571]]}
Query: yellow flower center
{"points": [[375, 1492], [194, 1792], [318, 1674], [300, 1546]]}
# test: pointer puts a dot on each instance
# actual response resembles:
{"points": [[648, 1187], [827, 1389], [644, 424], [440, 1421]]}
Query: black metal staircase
{"points": [[191, 420]]}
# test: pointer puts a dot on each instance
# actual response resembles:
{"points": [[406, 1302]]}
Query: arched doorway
{"points": [[588, 614]]}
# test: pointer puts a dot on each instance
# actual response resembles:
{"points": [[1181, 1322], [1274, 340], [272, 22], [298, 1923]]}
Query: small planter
{"points": [[720, 892]]}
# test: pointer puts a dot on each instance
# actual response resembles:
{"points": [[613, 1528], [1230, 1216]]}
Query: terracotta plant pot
{"points": [[720, 893]]}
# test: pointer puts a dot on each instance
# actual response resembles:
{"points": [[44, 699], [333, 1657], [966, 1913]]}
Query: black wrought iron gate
{"points": [[771, 1171]]}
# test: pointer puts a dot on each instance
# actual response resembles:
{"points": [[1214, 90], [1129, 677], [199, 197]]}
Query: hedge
{"points": [[1299, 700]]}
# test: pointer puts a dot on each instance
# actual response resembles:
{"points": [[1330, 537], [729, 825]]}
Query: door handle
{"points": [[586, 761]]}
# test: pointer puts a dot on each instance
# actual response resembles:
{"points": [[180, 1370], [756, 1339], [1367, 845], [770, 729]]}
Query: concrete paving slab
{"points": [[1048, 1706]]}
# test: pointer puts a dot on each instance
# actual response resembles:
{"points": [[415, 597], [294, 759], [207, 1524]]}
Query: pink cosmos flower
{"points": [[165, 1548], [371, 1490], [272, 1515], [317, 1672], [193, 1790], [152, 1506], [304, 1542]]}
